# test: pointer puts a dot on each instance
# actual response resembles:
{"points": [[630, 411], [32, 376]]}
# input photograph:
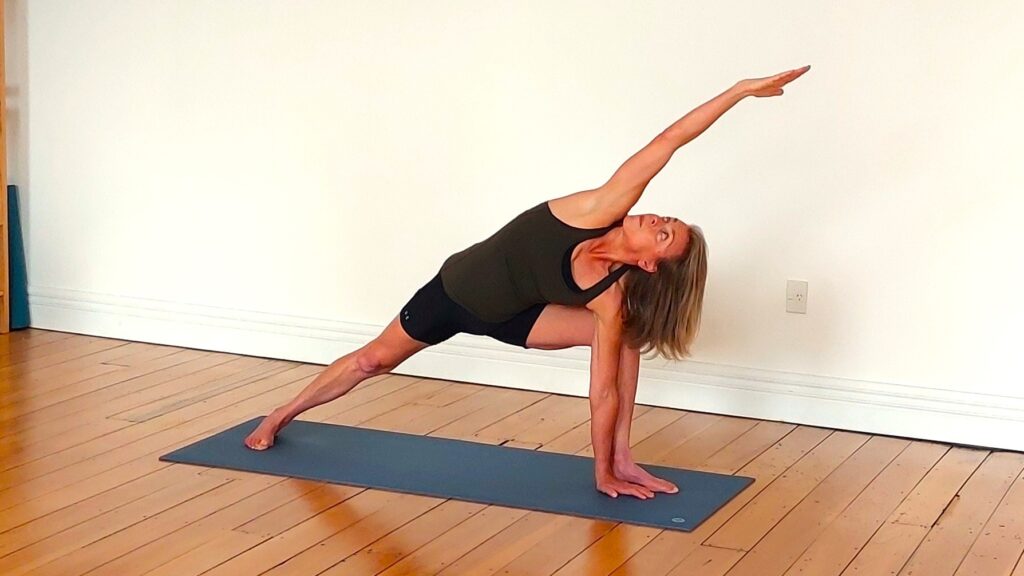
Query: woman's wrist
{"points": [[739, 89], [605, 472]]}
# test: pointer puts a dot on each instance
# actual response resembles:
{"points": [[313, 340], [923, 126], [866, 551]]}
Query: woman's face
{"points": [[655, 238]]}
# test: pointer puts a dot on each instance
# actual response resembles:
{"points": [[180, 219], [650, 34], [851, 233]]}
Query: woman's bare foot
{"points": [[263, 436], [630, 472]]}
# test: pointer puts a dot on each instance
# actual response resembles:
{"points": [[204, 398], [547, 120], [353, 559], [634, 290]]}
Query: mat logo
{"points": [[679, 520]]}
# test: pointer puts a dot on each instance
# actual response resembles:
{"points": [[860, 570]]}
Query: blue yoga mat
{"points": [[471, 471]]}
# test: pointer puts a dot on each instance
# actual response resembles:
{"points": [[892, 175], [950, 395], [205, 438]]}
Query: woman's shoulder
{"points": [[608, 304], [583, 210]]}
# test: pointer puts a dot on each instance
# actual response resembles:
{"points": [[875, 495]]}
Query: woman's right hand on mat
{"points": [[612, 486]]}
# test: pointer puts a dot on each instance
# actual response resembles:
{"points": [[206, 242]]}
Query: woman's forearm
{"points": [[629, 372], [603, 414], [604, 397], [697, 120]]}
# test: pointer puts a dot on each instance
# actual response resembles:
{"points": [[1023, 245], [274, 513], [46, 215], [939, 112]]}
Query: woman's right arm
{"points": [[604, 397], [604, 400]]}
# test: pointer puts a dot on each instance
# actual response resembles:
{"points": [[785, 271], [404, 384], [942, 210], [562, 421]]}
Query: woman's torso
{"points": [[526, 262]]}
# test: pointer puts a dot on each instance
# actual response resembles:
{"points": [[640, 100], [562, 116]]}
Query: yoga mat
{"points": [[471, 471]]}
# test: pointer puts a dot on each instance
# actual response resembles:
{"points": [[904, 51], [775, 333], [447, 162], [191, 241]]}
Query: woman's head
{"points": [[663, 298], [653, 238]]}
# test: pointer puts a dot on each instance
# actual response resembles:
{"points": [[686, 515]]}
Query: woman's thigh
{"points": [[560, 327]]}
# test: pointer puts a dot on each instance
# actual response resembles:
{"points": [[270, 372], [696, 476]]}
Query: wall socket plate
{"points": [[796, 296]]}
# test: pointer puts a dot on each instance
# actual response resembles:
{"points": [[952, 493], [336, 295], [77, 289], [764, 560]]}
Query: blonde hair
{"points": [[661, 310]]}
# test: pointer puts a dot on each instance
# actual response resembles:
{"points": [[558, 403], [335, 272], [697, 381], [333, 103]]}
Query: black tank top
{"points": [[526, 262]]}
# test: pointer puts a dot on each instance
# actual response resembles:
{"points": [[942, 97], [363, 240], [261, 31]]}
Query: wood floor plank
{"points": [[450, 395], [466, 427], [427, 423], [518, 423], [21, 507], [36, 446], [156, 436], [760, 515], [752, 444], [1019, 569], [608, 552], [54, 352], [276, 520], [671, 547], [80, 369], [282, 492], [433, 557], [525, 532], [653, 448], [143, 437], [258, 370], [838, 544], [207, 556], [151, 528], [317, 529], [27, 559], [92, 427], [564, 414], [947, 543], [646, 421], [546, 556], [892, 545], [369, 410], [776, 551], [707, 561], [1001, 541], [119, 387], [380, 539], [888, 550], [52, 523], [20, 340], [931, 498]]}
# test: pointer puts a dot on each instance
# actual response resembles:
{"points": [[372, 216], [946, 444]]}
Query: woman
{"points": [[645, 283]]}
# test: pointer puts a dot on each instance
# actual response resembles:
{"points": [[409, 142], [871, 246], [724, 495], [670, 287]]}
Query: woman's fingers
{"points": [[796, 73], [637, 490], [615, 486]]}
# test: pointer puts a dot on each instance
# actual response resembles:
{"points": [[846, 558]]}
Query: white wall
{"points": [[303, 167]]}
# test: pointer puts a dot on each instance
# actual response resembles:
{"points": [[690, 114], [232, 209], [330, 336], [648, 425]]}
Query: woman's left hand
{"points": [[770, 85]]}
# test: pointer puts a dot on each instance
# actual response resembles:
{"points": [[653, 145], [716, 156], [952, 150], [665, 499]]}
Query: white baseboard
{"points": [[954, 417]]}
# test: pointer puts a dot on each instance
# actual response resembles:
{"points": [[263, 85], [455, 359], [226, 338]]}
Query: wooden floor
{"points": [[84, 420]]}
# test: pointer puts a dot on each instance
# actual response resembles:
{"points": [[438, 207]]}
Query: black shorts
{"points": [[432, 317]]}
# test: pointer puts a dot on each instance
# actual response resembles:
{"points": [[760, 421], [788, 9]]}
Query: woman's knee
{"points": [[376, 358], [369, 362], [387, 351]]}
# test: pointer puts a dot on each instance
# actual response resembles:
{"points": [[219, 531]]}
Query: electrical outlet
{"points": [[796, 296]]}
